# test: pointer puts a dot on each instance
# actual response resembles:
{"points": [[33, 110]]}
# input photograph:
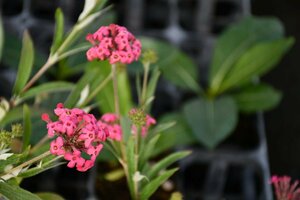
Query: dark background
{"points": [[283, 123]]}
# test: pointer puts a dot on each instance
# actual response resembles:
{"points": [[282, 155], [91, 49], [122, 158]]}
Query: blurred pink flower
{"points": [[284, 190]]}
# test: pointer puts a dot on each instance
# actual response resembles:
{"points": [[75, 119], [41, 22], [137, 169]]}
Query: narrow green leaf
{"points": [[256, 98], [1, 37], [126, 128], [166, 162], [49, 196], [55, 86], [147, 151], [27, 126], [130, 163], [153, 185], [106, 96], [14, 192], [25, 64], [152, 85], [236, 40], [211, 120], [255, 62], [59, 30]]}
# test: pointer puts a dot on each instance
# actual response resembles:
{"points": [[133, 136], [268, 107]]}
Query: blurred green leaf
{"points": [[25, 64], [55, 86], [147, 151], [130, 163], [175, 65], [1, 37], [178, 135], [126, 128], [153, 185], [165, 163], [14, 192], [49, 196], [236, 40], [211, 120], [106, 96], [255, 98], [255, 62], [27, 126], [11, 116], [59, 30]]}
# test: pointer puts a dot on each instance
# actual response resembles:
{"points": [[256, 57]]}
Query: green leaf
{"points": [[153, 185], [13, 192], [178, 135], [148, 150], [25, 64], [11, 116], [55, 86], [59, 30], [236, 40], [165, 163], [49, 196], [86, 79], [152, 84], [27, 126], [124, 92], [255, 62], [12, 160], [1, 37], [211, 120], [255, 98], [175, 65], [130, 163]]}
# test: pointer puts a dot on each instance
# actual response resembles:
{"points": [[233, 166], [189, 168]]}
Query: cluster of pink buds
{"points": [[78, 137], [284, 190], [109, 121], [115, 43]]}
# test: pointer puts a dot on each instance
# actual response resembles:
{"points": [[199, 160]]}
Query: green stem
{"points": [[145, 81], [115, 88], [29, 162], [97, 90]]}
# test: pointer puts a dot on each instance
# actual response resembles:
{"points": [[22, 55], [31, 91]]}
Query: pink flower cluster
{"points": [[78, 136], [283, 188], [109, 121], [115, 43]]}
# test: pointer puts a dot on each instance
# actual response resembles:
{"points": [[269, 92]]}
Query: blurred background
{"points": [[191, 25]]}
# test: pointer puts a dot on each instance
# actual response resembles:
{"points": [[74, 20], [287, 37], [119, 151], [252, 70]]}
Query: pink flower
{"points": [[76, 132], [56, 146], [109, 118], [113, 42], [283, 188]]}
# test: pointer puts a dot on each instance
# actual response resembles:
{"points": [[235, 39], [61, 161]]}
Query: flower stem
{"points": [[51, 60], [29, 162], [115, 87], [145, 81]]}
